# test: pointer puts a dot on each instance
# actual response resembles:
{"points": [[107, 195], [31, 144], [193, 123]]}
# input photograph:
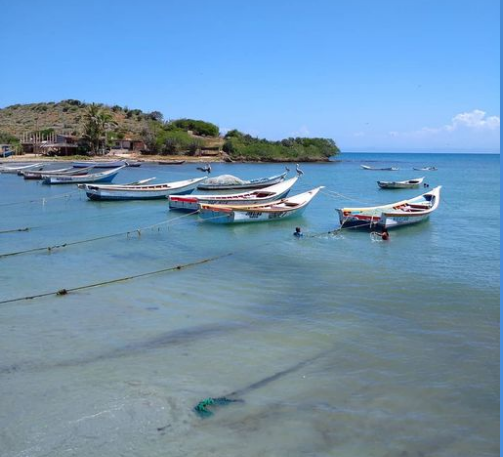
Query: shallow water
{"points": [[380, 348]]}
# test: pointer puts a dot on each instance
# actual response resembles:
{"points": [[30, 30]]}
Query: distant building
{"points": [[129, 144]]}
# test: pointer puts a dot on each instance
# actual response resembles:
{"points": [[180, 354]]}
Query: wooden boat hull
{"points": [[140, 192], [279, 209], [105, 176], [252, 184], [405, 212], [254, 197], [409, 184]]}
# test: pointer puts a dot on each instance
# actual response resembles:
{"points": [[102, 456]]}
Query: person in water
{"points": [[384, 235], [298, 232]]}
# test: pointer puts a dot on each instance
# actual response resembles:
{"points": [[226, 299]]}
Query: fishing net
{"points": [[224, 179], [202, 407]]}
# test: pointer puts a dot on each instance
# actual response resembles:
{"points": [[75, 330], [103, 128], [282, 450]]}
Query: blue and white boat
{"points": [[121, 192], [104, 176]]}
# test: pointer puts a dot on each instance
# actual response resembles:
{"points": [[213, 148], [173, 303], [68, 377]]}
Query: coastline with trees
{"points": [[98, 129]]}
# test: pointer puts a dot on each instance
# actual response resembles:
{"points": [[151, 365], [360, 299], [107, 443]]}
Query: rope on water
{"points": [[123, 279], [202, 410], [337, 195], [43, 200], [26, 229], [89, 240]]}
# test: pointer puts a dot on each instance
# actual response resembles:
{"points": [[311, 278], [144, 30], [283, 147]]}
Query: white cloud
{"points": [[472, 130], [476, 119]]}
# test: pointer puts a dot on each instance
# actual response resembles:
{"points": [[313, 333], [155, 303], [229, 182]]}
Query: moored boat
{"points": [[228, 182], [104, 176], [407, 184], [16, 169], [120, 192], [41, 174], [278, 209], [253, 197], [426, 169], [404, 212], [100, 164], [366, 167], [171, 162]]}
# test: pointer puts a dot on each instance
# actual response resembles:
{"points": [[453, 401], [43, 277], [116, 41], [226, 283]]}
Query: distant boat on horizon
{"points": [[366, 167]]}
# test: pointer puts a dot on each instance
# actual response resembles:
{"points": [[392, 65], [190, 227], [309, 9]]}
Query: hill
{"points": [[66, 116], [97, 127]]}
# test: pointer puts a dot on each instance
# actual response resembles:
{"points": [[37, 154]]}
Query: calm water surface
{"points": [[380, 349]]}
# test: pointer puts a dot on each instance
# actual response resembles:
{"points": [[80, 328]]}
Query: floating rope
{"points": [[123, 279], [89, 240], [202, 410], [43, 200], [337, 195], [26, 229]]}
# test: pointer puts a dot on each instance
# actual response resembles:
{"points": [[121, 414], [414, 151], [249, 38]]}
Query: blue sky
{"points": [[393, 75]]}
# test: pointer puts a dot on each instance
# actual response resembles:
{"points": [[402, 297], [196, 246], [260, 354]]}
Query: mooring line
{"points": [[336, 195], [26, 229], [43, 200], [73, 243], [123, 279]]}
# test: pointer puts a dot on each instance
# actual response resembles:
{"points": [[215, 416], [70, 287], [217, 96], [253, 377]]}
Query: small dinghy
{"points": [[408, 184], [426, 169], [366, 167]]}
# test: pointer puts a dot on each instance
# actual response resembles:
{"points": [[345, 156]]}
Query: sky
{"points": [[389, 75]]}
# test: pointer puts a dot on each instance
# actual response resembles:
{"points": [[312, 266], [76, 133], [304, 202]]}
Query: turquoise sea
{"points": [[336, 345]]}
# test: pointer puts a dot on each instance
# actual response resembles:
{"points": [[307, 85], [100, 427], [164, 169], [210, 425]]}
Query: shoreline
{"points": [[147, 159]]}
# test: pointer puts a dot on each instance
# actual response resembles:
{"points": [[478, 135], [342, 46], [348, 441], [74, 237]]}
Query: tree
{"points": [[156, 116], [95, 123]]}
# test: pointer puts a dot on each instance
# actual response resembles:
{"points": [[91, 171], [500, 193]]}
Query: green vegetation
{"points": [[94, 126], [100, 126], [201, 128], [241, 146]]}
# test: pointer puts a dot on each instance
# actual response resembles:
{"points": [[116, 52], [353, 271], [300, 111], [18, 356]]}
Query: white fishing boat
{"points": [[100, 164], [278, 209], [426, 169], [139, 191], [17, 168], [104, 176], [41, 174], [253, 197], [366, 167], [229, 182], [404, 212], [407, 184]]}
